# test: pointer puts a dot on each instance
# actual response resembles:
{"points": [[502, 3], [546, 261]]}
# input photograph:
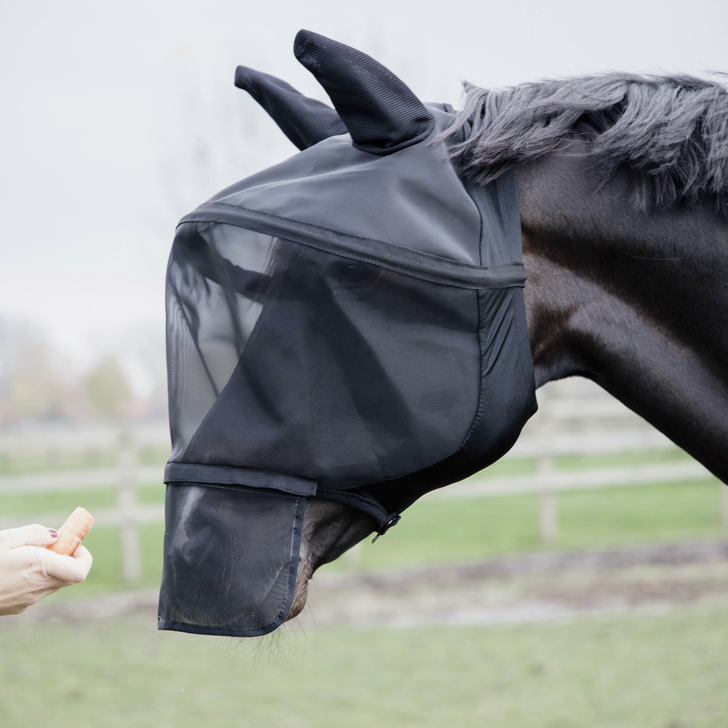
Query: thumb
{"points": [[33, 535], [73, 569]]}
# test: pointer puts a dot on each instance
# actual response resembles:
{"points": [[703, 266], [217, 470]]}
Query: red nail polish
{"points": [[53, 532]]}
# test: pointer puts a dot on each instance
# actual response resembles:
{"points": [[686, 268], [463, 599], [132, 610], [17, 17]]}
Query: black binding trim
{"points": [[425, 266], [366, 504], [225, 475]]}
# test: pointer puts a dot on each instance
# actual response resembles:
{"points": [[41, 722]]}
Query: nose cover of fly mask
{"points": [[347, 325]]}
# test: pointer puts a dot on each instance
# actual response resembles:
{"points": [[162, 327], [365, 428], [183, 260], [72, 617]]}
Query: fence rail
{"points": [[143, 513], [565, 426], [124, 476], [64, 480], [560, 481]]}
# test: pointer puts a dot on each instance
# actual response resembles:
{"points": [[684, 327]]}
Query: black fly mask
{"points": [[346, 325]]}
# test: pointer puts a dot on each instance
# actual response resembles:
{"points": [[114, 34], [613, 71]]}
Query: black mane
{"points": [[671, 130]]}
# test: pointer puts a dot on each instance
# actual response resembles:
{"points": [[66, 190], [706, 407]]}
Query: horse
{"points": [[622, 183]]}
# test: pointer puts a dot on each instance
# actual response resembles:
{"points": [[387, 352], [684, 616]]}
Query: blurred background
{"points": [[582, 581]]}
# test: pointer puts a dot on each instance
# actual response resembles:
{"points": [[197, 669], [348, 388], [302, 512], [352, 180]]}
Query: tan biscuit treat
{"points": [[72, 532]]}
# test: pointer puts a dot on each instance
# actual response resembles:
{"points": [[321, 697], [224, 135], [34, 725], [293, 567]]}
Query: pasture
{"points": [[436, 531], [662, 668], [637, 671]]}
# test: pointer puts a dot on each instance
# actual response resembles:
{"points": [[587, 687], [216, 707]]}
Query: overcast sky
{"points": [[106, 108]]}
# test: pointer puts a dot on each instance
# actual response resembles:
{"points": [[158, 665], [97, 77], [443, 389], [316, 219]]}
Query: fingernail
{"points": [[53, 532]]}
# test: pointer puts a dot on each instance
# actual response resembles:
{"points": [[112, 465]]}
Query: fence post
{"points": [[130, 548], [723, 494], [547, 508], [548, 513]]}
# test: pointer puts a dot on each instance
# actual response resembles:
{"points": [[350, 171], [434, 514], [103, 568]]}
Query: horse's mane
{"points": [[671, 130]]}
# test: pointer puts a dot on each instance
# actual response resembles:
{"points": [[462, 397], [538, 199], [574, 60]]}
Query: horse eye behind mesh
{"points": [[350, 274]]}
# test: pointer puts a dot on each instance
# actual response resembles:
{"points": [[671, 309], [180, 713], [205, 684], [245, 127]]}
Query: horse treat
{"points": [[72, 532]]}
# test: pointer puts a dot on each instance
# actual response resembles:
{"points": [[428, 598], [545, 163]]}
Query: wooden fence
{"points": [[50, 444], [569, 423]]}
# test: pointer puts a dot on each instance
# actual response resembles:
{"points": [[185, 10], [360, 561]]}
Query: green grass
{"points": [[443, 531], [664, 671], [468, 530], [438, 532], [607, 460], [31, 462]]}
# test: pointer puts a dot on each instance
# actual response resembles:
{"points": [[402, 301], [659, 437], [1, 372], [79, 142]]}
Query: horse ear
{"points": [[380, 112], [304, 121]]}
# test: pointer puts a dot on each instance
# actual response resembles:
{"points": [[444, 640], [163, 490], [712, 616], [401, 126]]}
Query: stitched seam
{"points": [[503, 206], [436, 273], [476, 419], [479, 411], [402, 145], [225, 476], [238, 208], [517, 323], [354, 498], [241, 489]]}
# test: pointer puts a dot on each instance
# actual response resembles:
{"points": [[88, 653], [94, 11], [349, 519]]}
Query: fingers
{"points": [[33, 535], [13, 610], [84, 560], [72, 569]]}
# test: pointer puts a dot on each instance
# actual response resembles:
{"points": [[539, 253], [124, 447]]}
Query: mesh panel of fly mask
{"points": [[348, 325]]}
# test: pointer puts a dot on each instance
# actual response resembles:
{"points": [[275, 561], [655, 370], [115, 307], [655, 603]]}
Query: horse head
{"points": [[346, 332]]}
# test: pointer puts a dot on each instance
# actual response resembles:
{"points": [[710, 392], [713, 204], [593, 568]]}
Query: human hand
{"points": [[29, 571]]}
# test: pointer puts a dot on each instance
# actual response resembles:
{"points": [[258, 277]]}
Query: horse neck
{"points": [[634, 300]]}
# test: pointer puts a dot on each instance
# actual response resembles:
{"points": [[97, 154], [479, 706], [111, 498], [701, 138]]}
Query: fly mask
{"points": [[348, 324]]}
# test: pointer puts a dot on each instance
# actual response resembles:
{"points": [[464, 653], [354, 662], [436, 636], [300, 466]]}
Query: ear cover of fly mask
{"points": [[303, 120], [380, 112]]}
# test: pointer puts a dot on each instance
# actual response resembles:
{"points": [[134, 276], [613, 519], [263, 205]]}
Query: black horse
{"points": [[622, 183]]}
